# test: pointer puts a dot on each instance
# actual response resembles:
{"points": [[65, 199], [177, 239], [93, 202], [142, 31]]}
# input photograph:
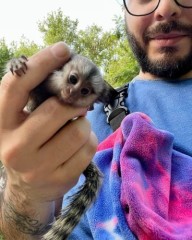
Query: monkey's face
{"points": [[79, 83], [79, 90]]}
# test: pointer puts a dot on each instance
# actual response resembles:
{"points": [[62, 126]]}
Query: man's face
{"points": [[162, 41]]}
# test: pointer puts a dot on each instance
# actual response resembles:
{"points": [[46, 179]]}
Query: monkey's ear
{"points": [[108, 95], [91, 107], [73, 53]]}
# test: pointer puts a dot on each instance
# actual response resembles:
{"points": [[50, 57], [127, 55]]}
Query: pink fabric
{"points": [[156, 180]]}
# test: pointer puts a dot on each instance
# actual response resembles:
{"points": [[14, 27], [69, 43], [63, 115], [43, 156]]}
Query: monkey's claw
{"points": [[18, 66]]}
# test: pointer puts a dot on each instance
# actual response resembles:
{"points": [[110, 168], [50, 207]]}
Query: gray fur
{"points": [[88, 76], [89, 79]]}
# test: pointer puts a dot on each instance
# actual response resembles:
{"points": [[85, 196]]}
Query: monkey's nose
{"points": [[65, 93]]}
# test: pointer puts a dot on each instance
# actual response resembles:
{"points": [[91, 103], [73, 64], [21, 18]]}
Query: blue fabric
{"points": [[144, 187], [169, 105]]}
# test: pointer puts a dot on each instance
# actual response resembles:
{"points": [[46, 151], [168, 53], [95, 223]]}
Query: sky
{"points": [[20, 17]]}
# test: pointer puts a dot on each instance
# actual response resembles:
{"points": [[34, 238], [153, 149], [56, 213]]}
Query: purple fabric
{"points": [[147, 185]]}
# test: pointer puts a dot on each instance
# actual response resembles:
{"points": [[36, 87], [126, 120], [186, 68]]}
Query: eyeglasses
{"points": [[146, 7]]}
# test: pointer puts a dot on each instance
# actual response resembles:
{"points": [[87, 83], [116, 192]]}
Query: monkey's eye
{"points": [[73, 79], [85, 91]]}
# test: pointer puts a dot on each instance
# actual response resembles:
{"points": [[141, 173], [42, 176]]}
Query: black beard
{"points": [[169, 68]]}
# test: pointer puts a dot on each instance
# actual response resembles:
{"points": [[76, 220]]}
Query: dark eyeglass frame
{"points": [[139, 15]]}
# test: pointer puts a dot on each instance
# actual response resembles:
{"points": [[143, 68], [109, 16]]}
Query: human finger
{"points": [[14, 90], [66, 143], [69, 172], [47, 119]]}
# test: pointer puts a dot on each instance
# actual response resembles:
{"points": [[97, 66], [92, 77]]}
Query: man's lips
{"points": [[170, 39], [169, 36]]}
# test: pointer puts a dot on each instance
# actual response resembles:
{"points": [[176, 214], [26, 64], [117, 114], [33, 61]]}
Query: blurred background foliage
{"points": [[109, 50]]}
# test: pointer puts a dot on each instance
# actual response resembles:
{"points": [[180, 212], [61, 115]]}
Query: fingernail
{"points": [[61, 50]]}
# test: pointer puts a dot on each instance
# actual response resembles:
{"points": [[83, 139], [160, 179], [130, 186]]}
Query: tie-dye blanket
{"points": [[147, 185]]}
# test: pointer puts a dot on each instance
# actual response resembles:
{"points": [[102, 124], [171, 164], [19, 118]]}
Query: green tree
{"points": [[122, 66], [96, 44], [92, 42], [57, 27], [25, 47], [5, 54], [108, 49]]}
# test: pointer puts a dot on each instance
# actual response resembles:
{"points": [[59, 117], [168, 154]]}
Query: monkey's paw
{"points": [[17, 66]]}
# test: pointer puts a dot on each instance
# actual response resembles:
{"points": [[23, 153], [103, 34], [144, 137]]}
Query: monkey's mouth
{"points": [[67, 100], [66, 97]]}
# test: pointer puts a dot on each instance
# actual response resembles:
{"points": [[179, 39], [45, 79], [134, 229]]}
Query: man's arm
{"points": [[24, 219], [43, 152]]}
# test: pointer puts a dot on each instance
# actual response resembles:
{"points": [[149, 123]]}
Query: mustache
{"points": [[166, 28]]}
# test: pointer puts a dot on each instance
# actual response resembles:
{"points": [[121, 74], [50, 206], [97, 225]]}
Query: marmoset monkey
{"points": [[80, 84]]}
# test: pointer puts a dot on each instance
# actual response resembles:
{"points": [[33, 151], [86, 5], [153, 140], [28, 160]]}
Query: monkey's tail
{"points": [[79, 203]]}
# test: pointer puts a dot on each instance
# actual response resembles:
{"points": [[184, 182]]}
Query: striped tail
{"points": [[78, 204]]}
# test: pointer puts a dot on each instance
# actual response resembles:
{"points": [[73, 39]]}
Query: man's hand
{"points": [[43, 152]]}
